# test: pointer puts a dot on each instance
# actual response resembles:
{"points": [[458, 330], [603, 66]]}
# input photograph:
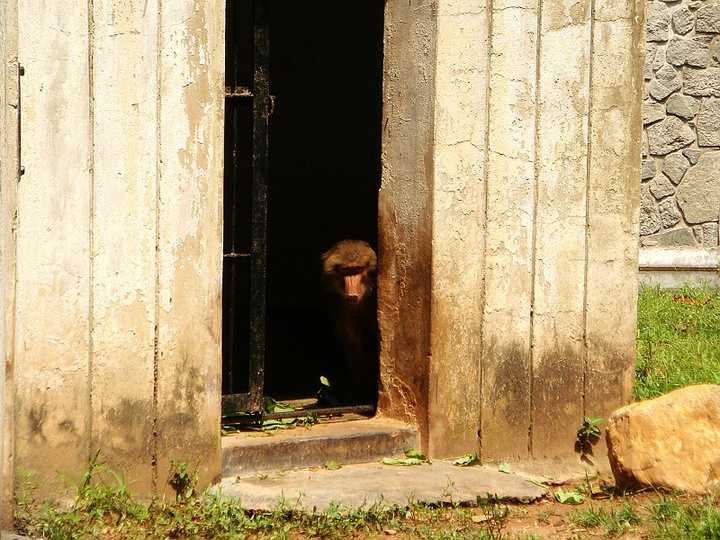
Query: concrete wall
{"points": [[117, 319], [508, 218], [508, 229], [673, 268]]}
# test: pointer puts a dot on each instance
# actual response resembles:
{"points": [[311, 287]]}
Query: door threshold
{"points": [[354, 439]]}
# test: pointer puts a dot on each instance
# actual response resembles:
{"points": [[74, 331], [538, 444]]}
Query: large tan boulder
{"points": [[670, 442]]}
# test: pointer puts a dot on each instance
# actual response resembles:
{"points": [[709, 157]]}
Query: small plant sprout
{"points": [[589, 429], [587, 435], [183, 480]]}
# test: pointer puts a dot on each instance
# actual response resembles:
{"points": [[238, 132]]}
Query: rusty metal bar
{"points": [[326, 411], [232, 404], [237, 209], [258, 260], [298, 413], [238, 92]]}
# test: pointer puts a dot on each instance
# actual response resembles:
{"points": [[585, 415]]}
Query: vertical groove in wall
{"points": [[91, 217], [489, 6], [429, 385], [587, 204], [11, 162], [158, 173], [533, 249]]}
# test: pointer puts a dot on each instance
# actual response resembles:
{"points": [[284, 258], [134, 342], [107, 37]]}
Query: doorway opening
{"points": [[321, 62]]}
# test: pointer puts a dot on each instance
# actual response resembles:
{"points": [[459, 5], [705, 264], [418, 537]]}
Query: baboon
{"points": [[350, 280]]}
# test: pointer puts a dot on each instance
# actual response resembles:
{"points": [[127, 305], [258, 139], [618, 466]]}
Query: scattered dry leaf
{"points": [[680, 299]]}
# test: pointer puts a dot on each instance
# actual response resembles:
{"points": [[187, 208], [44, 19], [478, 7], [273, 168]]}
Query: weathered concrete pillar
{"points": [[52, 354], [613, 206], [405, 211], [530, 181], [458, 216], [119, 246]]}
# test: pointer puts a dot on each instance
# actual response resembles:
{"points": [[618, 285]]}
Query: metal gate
{"points": [[248, 106]]}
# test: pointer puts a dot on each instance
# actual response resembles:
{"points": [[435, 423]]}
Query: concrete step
{"points": [[356, 441], [364, 485]]}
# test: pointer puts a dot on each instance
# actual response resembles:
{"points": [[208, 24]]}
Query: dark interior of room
{"points": [[324, 175]]}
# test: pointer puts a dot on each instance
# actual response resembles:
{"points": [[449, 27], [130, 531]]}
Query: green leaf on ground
{"points": [[467, 460], [412, 457], [569, 497]]}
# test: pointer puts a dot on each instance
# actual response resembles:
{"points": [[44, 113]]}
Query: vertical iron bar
{"points": [[232, 286], [258, 259]]}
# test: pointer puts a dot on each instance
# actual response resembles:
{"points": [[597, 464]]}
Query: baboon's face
{"points": [[349, 271]]}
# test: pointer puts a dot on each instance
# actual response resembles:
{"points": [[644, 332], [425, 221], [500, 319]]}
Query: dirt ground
{"points": [[549, 519], [546, 518]]}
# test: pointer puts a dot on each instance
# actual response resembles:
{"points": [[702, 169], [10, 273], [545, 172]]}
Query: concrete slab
{"points": [[357, 441], [11, 536], [362, 485]]}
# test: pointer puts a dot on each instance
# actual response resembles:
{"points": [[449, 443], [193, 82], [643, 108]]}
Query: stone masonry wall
{"points": [[680, 190]]}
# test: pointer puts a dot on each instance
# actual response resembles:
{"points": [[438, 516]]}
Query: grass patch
{"points": [[104, 508], [672, 518], [612, 521], [667, 517], [678, 340]]}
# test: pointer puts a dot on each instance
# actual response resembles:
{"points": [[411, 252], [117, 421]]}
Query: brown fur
{"points": [[350, 279]]}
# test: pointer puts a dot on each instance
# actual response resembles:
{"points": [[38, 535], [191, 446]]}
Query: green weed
{"points": [[103, 507], [612, 521], [672, 519]]}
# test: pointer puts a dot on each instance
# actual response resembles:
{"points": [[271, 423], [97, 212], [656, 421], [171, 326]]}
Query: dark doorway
{"points": [[325, 73]]}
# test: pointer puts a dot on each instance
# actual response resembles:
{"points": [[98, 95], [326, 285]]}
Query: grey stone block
{"points": [[649, 169], [691, 52], [708, 18], [715, 52], [685, 107], [650, 50], [692, 154], [675, 166], [667, 73], [659, 90], [674, 238], [698, 195], [683, 20], [710, 234], [668, 135], [659, 60], [652, 111], [697, 232], [708, 122], [669, 213], [661, 187], [701, 82], [649, 215], [658, 22]]}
